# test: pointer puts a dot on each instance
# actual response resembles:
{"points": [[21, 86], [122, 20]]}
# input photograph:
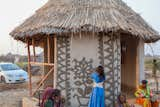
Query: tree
{"points": [[155, 68]]}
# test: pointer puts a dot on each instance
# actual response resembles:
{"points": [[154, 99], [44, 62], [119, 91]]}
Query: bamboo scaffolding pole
{"points": [[41, 64], [43, 79], [34, 51], [29, 68], [48, 47]]}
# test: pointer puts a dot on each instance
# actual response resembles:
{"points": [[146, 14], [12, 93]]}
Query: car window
{"points": [[7, 67]]}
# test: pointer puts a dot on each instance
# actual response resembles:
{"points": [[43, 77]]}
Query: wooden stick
{"points": [[48, 46], [29, 68], [42, 64], [55, 62], [34, 52], [43, 79]]}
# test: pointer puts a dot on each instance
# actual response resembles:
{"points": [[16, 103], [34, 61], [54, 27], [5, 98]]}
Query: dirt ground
{"points": [[12, 98], [11, 94]]}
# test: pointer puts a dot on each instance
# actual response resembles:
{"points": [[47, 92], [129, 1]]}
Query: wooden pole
{"points": [[48, 46], [55, 62], [41, 64], [29, 68], [34, 52]]}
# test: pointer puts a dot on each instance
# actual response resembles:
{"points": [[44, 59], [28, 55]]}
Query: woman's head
{"points": [[100, 71], [144, 83], [122, 98], [56, 95]]}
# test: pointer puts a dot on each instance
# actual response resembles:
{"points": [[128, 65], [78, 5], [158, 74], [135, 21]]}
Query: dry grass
{"points": [[74, 16]]}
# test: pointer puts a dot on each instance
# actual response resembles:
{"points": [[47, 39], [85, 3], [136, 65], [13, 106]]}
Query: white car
{"points": [[11, 73]]}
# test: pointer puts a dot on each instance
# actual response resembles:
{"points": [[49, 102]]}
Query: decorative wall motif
{"points": [[100, 50], [63, 67], [117, 66], [82, 82], [109, 55], [108, 65]]}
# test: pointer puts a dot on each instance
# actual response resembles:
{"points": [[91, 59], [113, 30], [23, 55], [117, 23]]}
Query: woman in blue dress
{"points": [[97, 98]]}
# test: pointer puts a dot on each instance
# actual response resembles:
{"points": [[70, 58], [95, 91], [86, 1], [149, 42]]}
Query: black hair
{"points": [[100, 71], [57, 92], [144, 81]]}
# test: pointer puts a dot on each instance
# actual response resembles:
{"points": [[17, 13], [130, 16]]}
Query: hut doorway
{"points": [[129, 63]]}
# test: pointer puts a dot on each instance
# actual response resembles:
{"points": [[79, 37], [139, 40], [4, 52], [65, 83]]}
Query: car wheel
{"points": [[3, 80]]}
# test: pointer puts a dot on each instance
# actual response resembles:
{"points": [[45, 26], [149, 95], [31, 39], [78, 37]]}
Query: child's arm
{"points": [[138, 94]]}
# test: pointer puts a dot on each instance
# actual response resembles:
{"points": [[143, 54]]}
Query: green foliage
{"points": [[22, 65], [149, 64], [155, 70], [158, 65]]}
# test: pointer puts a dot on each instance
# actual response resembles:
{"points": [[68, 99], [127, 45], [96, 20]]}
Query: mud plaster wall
{"points": [[141, 60], [77, 57]]}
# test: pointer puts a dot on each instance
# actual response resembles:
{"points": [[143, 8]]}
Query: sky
{"points": [[150, 11], [14, 12]]}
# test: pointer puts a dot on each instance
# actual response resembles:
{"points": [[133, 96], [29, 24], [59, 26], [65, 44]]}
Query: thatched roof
{"points": [[66, 16]]}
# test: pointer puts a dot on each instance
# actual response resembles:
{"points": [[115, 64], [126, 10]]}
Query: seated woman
{"points": [[122, 102], [58, 99], [144, 95], [52, 98], [47, 100]]}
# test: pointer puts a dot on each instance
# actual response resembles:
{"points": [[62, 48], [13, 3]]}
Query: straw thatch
{"points": [[66, 16]]}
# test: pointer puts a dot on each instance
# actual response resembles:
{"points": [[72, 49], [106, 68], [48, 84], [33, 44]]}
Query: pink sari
{"points": [[47, 94]]}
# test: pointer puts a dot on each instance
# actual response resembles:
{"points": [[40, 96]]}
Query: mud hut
{"points": [[77, 36]]}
